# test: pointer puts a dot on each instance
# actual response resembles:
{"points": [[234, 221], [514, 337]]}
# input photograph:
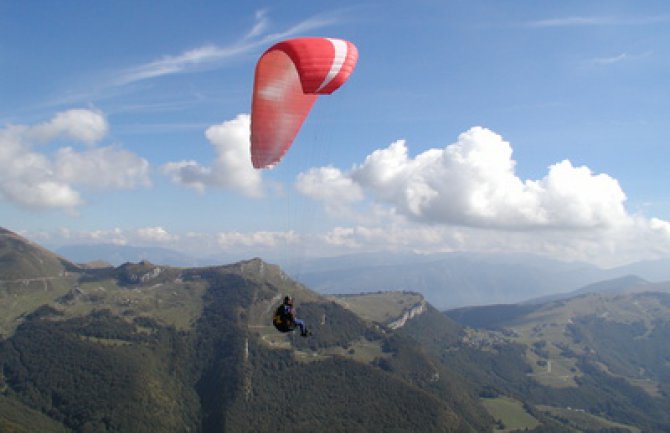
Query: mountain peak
{"points": [[21, 259], [134, 273], [256, 265]]}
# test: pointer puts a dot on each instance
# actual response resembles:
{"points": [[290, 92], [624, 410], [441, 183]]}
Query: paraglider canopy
{"points": [[289, 77]]}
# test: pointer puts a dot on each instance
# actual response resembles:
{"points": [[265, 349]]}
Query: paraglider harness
{"points": [[283, 319]]}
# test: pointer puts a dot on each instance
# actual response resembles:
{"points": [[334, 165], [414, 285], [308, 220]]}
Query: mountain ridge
{"points": [[447, 280], [615, 285]]}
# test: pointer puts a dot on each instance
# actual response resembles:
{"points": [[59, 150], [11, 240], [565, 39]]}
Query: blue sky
{"points": [[491, 126]]}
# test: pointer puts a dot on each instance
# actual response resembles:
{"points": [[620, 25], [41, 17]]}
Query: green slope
{"points": [[21, 259], [604, 355]]}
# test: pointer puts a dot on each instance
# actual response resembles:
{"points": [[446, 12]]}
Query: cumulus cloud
{"points": [[41, 194], [86, 126], [35, 179], [232, 167], [473, 183], [105, 167], [330, 186], [660, 226], [468, 196]]}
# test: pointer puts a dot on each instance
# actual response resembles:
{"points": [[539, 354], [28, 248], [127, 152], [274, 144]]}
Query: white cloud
{"points": [[232, 168], [256, 239], [574, 197], [105, 167], [342, 237], [468, 197], [260, 25], [155, 235], [143, 236], [574, 21], [582, 21], [660, 226], [114, 236], [610, 60], [330, 186], [619, 58], [41, 194], [189, 60], [200, 244], [642, 239], [211, 56], [393, 235], [473, 183], [86, 126], [38, 180]]}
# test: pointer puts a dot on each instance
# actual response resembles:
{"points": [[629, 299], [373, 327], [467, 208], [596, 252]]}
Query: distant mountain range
{"points": [[448, 280], [149, 348], [613, 286], [462, 279]]}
